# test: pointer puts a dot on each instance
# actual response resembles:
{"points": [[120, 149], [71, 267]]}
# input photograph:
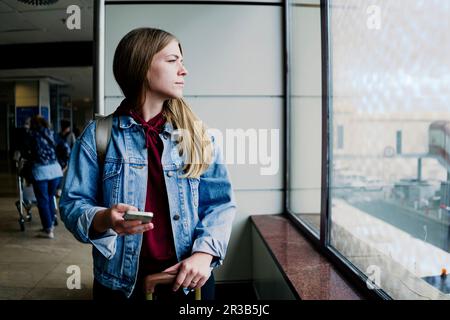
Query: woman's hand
{"points": [[113, 218], [192, 272]]}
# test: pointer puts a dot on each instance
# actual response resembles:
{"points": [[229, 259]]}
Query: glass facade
{"points": [[387, 138], [389, 174]]}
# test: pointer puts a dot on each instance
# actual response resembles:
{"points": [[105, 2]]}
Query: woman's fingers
{"points": [[173, 269], [123, 207], [120, 225], [130, 224], [140, 229], [193, 272], [197, 282], [188, 280], [180, 279], [201, 282], [133, 227]]}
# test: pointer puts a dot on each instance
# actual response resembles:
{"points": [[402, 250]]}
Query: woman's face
{"points": [[166, 73]]}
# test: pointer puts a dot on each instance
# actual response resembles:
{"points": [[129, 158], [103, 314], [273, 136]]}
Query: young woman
{"points": [[160, 159], [46, 171]]}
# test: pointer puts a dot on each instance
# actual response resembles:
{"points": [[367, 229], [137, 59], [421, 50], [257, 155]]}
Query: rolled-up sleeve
{"points": [[82, 189], [216, 210]]}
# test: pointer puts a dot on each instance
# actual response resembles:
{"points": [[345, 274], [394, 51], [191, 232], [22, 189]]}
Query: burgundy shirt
{"points": [[158, 249]]}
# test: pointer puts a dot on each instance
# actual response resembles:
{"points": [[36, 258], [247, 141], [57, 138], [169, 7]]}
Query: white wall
{"points": [[234, 57]]}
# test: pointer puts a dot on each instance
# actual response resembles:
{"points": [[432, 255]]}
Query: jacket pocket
{"points": [[194, 184], [111, 181], [112, 267]]}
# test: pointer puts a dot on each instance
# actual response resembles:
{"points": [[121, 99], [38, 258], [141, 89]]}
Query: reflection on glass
{"points": [[390, 180], [305, 114]]}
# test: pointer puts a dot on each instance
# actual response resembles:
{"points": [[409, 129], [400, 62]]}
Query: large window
{"points": [[387, 139], [389, 90]]}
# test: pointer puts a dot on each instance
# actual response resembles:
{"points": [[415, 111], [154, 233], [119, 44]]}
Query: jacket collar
{"points": [[126, 122]]}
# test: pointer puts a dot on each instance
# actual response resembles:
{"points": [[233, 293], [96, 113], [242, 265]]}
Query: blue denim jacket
{"points": [[40, 150], [47, 171], [201, 209]]}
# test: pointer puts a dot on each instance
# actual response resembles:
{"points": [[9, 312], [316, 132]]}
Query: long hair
{"points": [[37, 122], [132, 60]]}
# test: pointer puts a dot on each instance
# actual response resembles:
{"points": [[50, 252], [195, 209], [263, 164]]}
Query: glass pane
{"points": [[305, 121], [390, 181]]}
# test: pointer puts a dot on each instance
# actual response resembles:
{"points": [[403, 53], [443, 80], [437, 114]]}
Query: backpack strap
{"points": [[103, 136]]}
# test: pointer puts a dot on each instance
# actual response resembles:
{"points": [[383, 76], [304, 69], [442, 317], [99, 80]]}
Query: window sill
{"points": [[309, 274]]}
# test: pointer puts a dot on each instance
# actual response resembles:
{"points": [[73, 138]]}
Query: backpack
{"points": [[103, 136]]}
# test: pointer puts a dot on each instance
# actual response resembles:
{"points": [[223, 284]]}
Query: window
{"points": [[340, 137], [384, 149], [305, 114], [399, 142], [389, 77]]}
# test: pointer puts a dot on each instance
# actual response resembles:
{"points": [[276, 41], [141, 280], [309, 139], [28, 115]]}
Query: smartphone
{"points": [[145, 217]]}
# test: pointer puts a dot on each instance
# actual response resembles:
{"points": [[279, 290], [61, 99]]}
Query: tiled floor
{"points": [[8, 185], [36, 268]]}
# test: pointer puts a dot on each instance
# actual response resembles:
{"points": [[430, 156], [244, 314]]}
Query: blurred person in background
{"points": [[46, 170]]}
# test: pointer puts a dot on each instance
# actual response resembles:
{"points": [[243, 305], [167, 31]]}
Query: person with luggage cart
{"points": [[46, 172], [153, 154]]}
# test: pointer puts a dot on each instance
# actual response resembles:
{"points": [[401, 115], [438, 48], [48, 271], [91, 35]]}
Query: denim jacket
{"points": [[201, 209], [42, 146], [40, 151]]}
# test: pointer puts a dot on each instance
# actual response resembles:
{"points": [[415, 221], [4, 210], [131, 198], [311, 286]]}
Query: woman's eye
{"points": [[172, 60]]}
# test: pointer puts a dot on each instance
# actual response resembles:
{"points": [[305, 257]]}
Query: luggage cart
{"points": [[27, 198]]}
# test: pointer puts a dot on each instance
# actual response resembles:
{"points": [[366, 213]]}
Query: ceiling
{"points": [[22, 23]]}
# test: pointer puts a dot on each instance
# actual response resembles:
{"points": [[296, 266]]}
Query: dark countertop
{"points": [[309, 273]]}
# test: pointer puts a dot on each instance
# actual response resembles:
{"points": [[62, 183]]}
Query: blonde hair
{"points": [[132, 60], [193, 141]]}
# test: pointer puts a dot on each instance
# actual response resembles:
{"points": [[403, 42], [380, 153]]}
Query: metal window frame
{"points": [[322, 243], [312, 235], [99, 55]]}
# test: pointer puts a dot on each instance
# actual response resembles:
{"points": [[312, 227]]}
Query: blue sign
{"points": [[45, 113], [23, 113]]}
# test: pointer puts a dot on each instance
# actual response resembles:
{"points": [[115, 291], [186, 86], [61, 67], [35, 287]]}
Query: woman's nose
{"points": [[183, 71]]}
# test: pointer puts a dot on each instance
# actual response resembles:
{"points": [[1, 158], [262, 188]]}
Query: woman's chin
{"points": [[173, 94], [177, 95]]}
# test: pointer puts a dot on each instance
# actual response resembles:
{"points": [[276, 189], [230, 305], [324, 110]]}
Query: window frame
{"points": [[322, 243]]}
